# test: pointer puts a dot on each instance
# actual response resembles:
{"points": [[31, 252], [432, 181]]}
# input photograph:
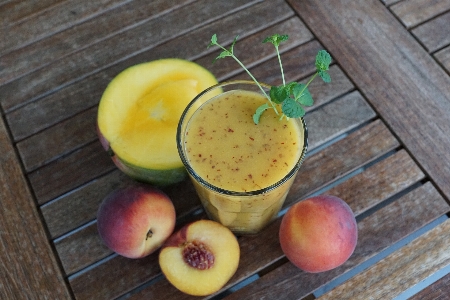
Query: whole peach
{"points": [[318, 234], [136, 220]]}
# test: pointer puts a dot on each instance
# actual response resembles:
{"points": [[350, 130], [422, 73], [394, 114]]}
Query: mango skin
{"points": [[159, 178], [135, 83], [318, 234]]}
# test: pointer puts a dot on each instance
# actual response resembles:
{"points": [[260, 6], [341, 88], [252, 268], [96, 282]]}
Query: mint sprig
{"points": [[293, 96]]}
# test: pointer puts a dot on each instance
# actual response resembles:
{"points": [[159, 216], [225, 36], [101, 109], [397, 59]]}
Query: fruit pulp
{"points": [[226, 149]]}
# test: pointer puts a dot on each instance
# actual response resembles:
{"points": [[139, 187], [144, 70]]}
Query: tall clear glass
{"points": [[231, 155]]}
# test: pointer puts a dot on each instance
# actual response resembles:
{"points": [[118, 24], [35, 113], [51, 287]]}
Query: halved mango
{"points": [[138, 116]]}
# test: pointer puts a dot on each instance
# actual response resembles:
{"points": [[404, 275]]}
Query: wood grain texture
{"points": [[81, 35], [84, 247], [336, 118], [376, 233], [75, 255], [335, 162], [345, 114], [390, 2], [391, 66], [80, 207], [79, 130], [54, 19], [438, 290], [443, 57], [70, 172], [400, 270], [14, 10], [269, 251], [27, 264], [414, 12], [434, 34], [58, 140], [85, 92], [225, 69], [126, 44]]}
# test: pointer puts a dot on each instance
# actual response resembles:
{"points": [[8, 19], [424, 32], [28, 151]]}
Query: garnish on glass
{"points": [[290, 96]]}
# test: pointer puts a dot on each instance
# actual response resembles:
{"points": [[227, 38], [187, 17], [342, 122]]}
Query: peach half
{"points": [[200, 258], [138, 116], [318, 234], [136, 220]]}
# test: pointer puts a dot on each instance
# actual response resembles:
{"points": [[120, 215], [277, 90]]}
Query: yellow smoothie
{"points": [[226, 149]]}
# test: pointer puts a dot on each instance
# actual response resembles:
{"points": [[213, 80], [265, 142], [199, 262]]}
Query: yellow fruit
{"points": [[138, 116]]}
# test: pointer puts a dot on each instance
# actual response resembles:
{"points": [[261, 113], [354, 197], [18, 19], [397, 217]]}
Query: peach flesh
{"points": [[200, 258], [318, 234]]}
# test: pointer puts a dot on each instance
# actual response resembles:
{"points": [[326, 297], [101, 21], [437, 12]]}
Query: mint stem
{"points": [[309, 81], [281, 65], [252, 77]]}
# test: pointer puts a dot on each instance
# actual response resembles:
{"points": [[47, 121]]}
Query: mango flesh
{"points": [[318, 234], [138, 116]]}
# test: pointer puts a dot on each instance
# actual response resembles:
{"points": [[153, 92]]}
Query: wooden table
{"points": [[379, 138]]}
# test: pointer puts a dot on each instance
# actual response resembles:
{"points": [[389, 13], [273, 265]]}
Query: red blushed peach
{"points": [[200, 258], [318, 234], [136, 220]]}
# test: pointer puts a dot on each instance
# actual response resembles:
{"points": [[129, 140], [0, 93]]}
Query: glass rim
{"points": [[215, 188]]}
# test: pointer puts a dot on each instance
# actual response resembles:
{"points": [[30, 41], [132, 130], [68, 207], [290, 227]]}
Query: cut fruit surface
{"points": [[200, 258], [139, 112]]}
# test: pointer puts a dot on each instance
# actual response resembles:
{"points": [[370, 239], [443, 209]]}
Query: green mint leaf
{"points": [[259, 112], [276, 39], [278, 93], [232, 44], [223, 54], [325, 76], [213, 40], [302, 95], [292, 108], [290, 87], [323, 60]]}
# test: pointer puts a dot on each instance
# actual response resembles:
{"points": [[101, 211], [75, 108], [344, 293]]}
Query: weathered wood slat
{"points": [[27, 263], [434, 34], [186, 200], [67, 174], [132, 42], [370, 189], [59, 140], [15, 10], [336, 118], [336, 161], [438, 290], [225, 68], [391, 68], [443, 57], [390, 2], [31, 57], [79, 130], [401, 270], [84, 247], [70, 172], [414, 12], [79, 207], [57, 18], [86, 93], [376, 233]]}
